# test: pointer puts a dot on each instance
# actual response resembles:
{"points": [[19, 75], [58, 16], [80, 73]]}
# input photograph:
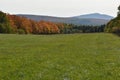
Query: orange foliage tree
{"points": [[29, 26]]}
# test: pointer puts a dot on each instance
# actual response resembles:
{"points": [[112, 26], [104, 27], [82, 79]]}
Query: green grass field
{"points": [[60, 57]]}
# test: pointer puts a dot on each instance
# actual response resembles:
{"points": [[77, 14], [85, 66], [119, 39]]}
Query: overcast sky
{"points": [[61, 8]]}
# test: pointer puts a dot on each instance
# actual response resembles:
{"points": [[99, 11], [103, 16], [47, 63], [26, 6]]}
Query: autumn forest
{"points": [[22, 25]]}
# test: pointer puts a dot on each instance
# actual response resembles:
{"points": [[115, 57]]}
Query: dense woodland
{"points": [[113, 26], [21, 25]]}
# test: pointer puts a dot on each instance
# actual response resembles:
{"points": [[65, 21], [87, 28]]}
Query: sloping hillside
{"points": [[73, 20], [113, 26]]}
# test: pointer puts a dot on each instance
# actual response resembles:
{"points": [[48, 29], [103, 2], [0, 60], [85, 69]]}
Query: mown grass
{"points": [[60, 57]]}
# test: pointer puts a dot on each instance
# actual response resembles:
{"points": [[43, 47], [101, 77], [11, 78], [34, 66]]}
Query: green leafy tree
{"points": [[4, 24]]}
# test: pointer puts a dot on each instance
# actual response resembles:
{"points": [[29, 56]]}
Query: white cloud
{"points": [[60, 7]]}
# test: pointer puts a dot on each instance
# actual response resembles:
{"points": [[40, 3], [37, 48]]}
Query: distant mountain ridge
{"points": [[89, 19], [95, 16]]}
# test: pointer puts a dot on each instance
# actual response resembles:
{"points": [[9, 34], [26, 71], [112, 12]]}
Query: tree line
{"points": [[83, 28], [22, 25]]}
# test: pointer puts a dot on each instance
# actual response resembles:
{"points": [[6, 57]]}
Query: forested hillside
{"points": [[113, 26], [89, 19], [22, 25]]}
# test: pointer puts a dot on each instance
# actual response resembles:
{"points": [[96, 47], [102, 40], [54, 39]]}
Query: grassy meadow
{"points": [[60, 57]]}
